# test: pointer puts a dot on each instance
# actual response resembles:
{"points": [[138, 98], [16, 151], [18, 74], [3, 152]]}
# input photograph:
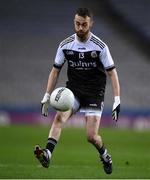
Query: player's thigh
{"points": [[92, 125]]}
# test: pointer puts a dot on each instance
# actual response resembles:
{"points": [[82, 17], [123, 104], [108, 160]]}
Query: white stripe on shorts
{"points": [[92, 112]]}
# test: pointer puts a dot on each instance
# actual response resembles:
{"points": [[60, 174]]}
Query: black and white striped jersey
{"points": [[87, 62]]}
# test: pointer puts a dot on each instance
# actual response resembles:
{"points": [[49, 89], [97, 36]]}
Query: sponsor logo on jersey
{"points": [[81, 48], [70, 52], [82, 64], [93, 105]]}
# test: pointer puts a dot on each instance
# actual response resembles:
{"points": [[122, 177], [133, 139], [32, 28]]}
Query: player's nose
{"points": [[80, 28]]}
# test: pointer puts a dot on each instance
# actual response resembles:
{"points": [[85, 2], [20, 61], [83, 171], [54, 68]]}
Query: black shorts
{"points": [[89, 106], [87, 102]]}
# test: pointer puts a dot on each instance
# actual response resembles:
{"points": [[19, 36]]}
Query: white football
{"points": [[62, 99]]}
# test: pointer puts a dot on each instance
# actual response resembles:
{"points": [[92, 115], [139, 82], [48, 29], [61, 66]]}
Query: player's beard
{"points": [[82, 35]]}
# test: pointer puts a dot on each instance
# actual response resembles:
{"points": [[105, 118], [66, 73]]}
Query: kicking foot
{"points": [[42, 155], [107, 163]]}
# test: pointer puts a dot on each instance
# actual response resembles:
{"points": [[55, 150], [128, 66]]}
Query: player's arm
{"points": [[115, 82], [52, 80], [110, 67], [116, 92]]}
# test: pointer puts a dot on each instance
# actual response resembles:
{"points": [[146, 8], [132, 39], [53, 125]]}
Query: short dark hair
{"points": [[84, 12]]}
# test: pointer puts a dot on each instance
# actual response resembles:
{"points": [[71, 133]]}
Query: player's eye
{"points": [[77, 23], [84, 24]]}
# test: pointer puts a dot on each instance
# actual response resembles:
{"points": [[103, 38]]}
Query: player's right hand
{"points": [[45, 104]]}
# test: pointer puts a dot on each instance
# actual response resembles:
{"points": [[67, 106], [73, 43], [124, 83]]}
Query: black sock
{"points": [[51, 143], [101, 150]]}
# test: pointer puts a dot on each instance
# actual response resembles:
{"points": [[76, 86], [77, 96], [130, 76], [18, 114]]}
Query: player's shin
{"points": [[96, 140]]}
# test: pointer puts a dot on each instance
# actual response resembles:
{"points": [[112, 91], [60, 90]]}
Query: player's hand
{"points": [[45, 104], [116, 108]]}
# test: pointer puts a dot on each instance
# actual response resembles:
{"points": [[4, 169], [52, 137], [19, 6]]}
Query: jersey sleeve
{"points": [[106, 59], [59, 58]]}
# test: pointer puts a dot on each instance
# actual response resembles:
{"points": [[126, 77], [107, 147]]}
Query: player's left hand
{"points": [[116, 108]]}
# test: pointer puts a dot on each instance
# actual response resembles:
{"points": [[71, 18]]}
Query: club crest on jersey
{"points": [[93, 54]]}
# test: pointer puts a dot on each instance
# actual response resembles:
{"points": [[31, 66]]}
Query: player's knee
{"points": [[61, 117], [58, 119], [91, 137]]}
